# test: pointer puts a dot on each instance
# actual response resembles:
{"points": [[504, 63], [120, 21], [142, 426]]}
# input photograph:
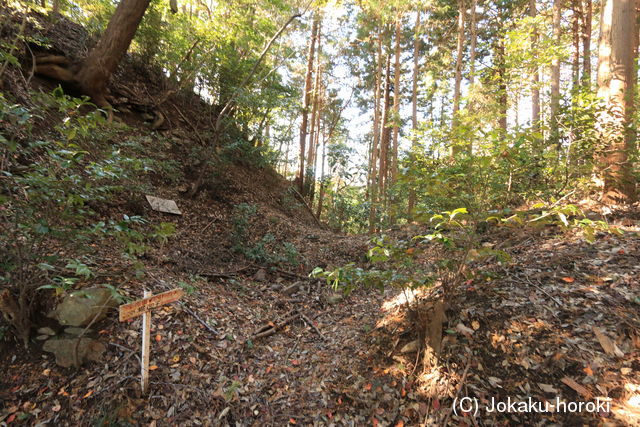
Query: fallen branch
{"points": [[554, 299], [202, 322], [460, 384], [269, 330], [306, 205], [314, 327]]}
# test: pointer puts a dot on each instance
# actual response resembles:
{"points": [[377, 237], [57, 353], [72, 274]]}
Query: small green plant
{"points": [[571, 217], [265, 249]]}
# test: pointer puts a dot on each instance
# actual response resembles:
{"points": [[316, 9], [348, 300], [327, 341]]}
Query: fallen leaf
{"points": [[569, 279], [89, 393], [475, 325], [547, 388], [153, 367], [460, 327], [607, 344], [436, 404], [580, 389], [410, 347], [587, 370]]}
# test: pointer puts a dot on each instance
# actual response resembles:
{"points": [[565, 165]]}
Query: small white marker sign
{"points": [[143, 307]]}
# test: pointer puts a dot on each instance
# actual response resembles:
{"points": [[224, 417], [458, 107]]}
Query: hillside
{"points": [[283, 321]]}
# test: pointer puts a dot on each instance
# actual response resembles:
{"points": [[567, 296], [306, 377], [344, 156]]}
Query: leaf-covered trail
{"points": [[532, 328]]}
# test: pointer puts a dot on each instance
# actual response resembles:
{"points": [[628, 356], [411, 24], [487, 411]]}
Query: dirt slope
{"points": [[529, 331]]}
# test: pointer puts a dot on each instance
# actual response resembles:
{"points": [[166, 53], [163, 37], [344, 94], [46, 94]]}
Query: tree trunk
{"points": [[576, 19], [396, 101], [455, 149], [474, 41], [414, 108], [106, 55], [322, 184], [555, 77], [586, 43], [315, 141], [616, 76], [315, 99], [503, 99], [383, 173], [535, 80], [374, 181], [307, 99]]}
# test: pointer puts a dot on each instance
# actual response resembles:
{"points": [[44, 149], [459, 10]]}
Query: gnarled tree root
{"points": [[60, 68]]}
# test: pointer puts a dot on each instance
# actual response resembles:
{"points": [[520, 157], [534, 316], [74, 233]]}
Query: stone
{"points": [[79, 308], [65, 350], [411, 347], [163, 205], [46, 331], [334, 298], [292, 289], [260, 276], [77, 331]]}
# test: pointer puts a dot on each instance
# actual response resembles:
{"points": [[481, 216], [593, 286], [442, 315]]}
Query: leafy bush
{"points": [[264, 249], [49, 189]]}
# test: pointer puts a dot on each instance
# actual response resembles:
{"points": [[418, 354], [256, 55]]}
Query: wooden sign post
{"points": [[143, 307]]}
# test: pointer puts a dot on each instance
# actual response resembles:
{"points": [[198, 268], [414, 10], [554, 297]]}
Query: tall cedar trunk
{"points": [[474, 41], [455, 149], [315, 141], [322, 183], [575, 26], [315, 98], [586, 43], [307, 99], [502, 86], [535, 80], [375, 148], [385, 134], [473, 29], [555, 77], [106, 55], [616, 57], [414, 108], [396, 102]]}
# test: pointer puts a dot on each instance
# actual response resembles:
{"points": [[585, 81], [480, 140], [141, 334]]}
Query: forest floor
{"points": [[561, 320]]}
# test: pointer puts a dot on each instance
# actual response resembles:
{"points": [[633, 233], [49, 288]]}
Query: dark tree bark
{"points": [[535, 80], [308, 88], [586, 43], [103, 59]]}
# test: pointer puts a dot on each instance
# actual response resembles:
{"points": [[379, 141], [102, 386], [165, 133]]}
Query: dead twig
{"points": [[460, 384], [554, 299], [272, 328], [314, 327], [202, 322]]}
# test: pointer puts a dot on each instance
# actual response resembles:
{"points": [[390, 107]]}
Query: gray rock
{"points": [[79, 308], [77, 331], [260, 276], [334, 298], [65, 350], [46, 331]]}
